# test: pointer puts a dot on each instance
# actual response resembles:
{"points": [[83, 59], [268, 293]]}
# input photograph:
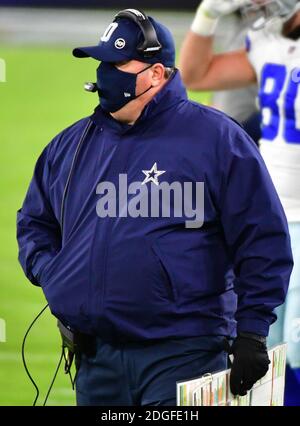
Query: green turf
{"points": [[43, 94]]}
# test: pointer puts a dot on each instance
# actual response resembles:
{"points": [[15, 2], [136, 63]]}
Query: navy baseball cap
{"points": [[121, 39]]}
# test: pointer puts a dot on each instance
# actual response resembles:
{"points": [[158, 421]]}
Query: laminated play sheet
{"points": [[214, 389]]}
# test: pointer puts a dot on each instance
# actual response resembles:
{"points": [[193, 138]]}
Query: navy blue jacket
{"points": [[143, 278]]}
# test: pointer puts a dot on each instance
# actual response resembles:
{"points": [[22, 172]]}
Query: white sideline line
{"points": [[64, 391], [58, 403], [30, 357]]}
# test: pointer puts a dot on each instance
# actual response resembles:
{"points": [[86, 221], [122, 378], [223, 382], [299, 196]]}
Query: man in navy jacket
{"points": [[153, 227]]}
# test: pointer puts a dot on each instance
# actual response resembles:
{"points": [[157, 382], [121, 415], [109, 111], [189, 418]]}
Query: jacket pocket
{"points": [[165, 272], [45, 272]]}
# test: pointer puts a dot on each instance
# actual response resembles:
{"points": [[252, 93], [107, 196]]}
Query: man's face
{"points": [[144, 79]]}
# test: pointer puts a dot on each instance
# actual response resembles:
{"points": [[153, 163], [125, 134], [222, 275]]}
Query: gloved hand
{"points": [[216, 8], [251, 362], [209, 11]]}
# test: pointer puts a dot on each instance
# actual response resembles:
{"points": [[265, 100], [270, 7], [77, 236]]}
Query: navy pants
{"points": [[144, 374]]}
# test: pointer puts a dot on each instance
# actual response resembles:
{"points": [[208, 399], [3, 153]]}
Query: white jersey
{"points": [[276, 60], [238, 103]]}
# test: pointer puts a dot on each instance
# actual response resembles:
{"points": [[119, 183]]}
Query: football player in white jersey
{"points": [[272, 59], [238, 103]]}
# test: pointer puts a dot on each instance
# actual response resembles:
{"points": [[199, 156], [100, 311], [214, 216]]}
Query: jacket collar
{"points": [[171, 94]]}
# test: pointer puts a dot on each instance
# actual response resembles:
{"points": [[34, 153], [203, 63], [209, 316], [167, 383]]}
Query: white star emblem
{"points": [[152, 175]]}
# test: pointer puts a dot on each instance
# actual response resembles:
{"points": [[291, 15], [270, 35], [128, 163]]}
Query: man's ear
{"points": [[158, 74]]}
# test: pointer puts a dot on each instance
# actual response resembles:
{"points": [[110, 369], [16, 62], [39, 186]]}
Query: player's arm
{"points": [[201, 69]]}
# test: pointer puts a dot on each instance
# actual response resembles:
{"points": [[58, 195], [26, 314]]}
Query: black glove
{"points": [[251, 362]]}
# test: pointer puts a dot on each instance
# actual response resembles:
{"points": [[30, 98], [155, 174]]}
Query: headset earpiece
{"points": [[151, 45]]}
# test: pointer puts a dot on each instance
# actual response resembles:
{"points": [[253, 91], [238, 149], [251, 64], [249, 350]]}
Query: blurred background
{"points": [[41, 93]]}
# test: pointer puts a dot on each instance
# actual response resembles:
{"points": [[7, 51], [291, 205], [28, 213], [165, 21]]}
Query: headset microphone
{"points": [[91, 87]]}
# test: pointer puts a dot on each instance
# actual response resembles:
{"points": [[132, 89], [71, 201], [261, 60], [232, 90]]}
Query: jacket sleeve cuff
{"points": [[255, 326]]}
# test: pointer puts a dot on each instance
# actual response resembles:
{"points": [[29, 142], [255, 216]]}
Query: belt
{"points": [[75, 343]]}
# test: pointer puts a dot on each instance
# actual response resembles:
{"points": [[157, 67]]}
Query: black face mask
{"points": [[116, 88]]}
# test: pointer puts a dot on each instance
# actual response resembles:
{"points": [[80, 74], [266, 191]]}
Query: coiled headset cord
{"points": [[62, 356]]}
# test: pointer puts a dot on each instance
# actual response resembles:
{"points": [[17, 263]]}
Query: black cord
{"points": [[69, 372], [54, 377], [23, 354], [62, 356]]}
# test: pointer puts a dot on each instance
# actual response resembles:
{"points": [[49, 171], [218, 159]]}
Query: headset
{"points": [[151, 45], [68, 338], [148, 48]]}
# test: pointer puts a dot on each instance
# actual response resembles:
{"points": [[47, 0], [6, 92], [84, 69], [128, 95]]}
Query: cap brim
{"points": [[99, 53]]}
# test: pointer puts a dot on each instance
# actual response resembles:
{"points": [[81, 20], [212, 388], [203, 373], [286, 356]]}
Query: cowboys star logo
{"points": [[152, 175]]}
